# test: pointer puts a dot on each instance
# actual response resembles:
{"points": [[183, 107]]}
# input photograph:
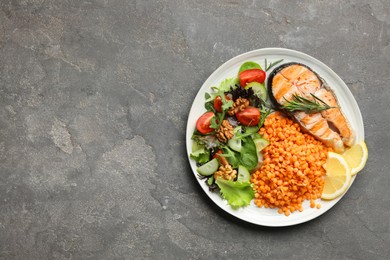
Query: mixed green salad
{"points": [[227, 146]]}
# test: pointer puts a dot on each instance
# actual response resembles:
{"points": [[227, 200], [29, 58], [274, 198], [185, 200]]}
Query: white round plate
{"points": [[252, 213]]}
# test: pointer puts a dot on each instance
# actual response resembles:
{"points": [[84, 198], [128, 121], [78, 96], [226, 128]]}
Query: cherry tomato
{"points": [[252, 75], [222, 159], [203, 123], [218, 103], [250, 116]]}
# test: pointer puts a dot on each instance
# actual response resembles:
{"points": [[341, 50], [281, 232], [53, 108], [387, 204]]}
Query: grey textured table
{"points": [[94, 98]]}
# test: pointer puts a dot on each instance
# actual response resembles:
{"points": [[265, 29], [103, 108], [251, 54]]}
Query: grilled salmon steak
{"points": [[329, 126]]}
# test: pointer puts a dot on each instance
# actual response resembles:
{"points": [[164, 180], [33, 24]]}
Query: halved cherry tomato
{"points": [[222, 159], [203, 123], [252, 75], [218, 102], [250, 116]]}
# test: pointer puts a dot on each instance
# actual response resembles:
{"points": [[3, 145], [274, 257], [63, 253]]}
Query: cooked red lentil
{"points": [[292, 167]]}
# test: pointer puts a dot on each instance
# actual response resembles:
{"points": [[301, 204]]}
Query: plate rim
{"points": [[206, 85]]}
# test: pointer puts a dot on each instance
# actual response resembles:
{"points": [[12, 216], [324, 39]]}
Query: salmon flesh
{"points": [[329, 126]]}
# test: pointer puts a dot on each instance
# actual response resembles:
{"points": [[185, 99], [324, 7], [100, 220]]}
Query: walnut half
{"points": [[225, 131], [226, 172], [239, 105]]}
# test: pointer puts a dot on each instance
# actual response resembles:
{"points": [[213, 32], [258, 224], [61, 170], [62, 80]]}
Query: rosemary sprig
{"points": [[299, 103], [272, 64]]}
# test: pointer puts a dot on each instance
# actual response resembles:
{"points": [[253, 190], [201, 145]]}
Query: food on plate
{"points": [[250, 72], [294, 84], [259, 89], [250, 116], [236, 193], [209, 168], [335, 117], [204, 123], [338, 176], [276, 146], [356, 157], [248, 66], [252, 75], [292, 166], [227, 134], [218, 103]]}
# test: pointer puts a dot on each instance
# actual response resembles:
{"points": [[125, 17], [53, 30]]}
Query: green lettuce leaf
{"points": [[199, 153], [237, 194], [221, 89], [227, 83]]}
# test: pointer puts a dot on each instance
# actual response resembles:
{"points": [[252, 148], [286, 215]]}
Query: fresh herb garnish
{"points": [[272, 64], [299, 103]]}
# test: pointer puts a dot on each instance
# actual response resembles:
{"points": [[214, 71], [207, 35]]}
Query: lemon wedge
{"points": [[338, 176], [356, 157]]}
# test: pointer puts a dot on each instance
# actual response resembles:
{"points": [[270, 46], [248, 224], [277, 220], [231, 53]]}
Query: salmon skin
{"points": [[329, 126]]}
